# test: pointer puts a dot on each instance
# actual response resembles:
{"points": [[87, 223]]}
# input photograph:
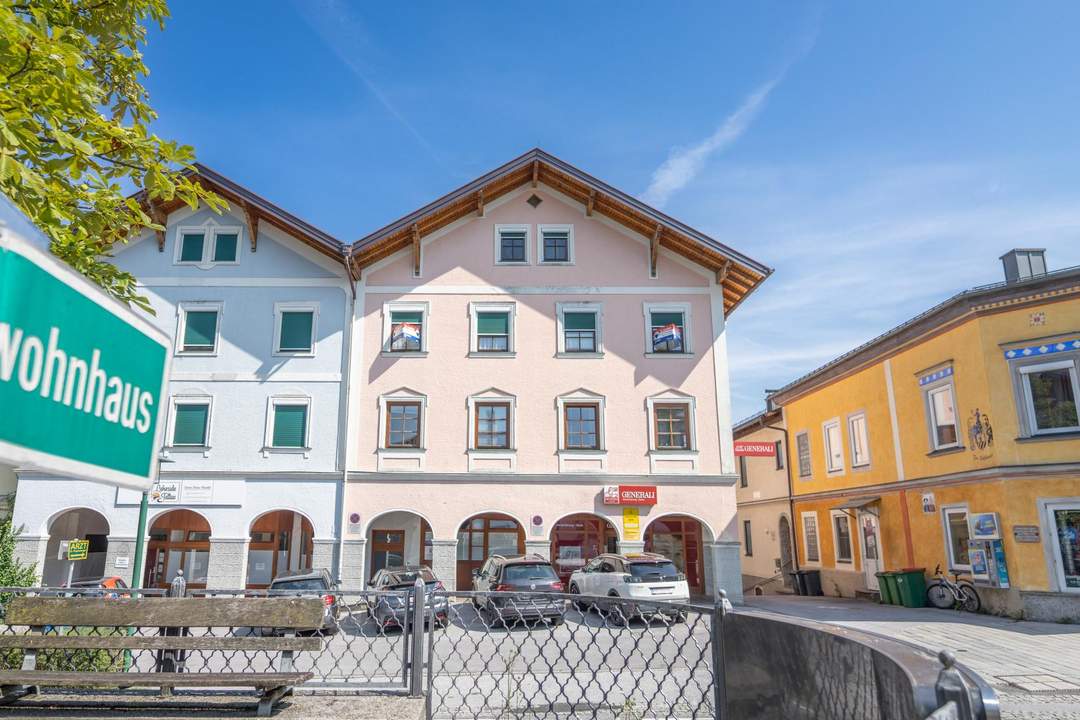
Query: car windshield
{"points": [[407, 578], [528, 573], [653, 570], [299, 584]]}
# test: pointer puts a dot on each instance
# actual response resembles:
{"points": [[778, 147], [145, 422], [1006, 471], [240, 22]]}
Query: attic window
{"points": [[534, 200]]}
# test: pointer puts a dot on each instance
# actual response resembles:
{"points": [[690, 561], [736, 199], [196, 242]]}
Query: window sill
{"points": [[946, 451], [404, 354], [580, 355], [580, 452], [402, 450], [555, 262], [294, 353], [305, 451], [667, 452], [512, 263], [668, 356], [185, 450], [196, 353], [1042, 437], [487, 452], [400, 459], [484, 354]]}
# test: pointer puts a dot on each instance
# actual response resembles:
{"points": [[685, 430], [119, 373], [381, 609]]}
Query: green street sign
{"points": [[78, 549], [82, 377]]}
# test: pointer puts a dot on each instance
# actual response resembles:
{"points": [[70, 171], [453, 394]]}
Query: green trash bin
{"points": [[883, 588], [911, 584], [892, 591]]}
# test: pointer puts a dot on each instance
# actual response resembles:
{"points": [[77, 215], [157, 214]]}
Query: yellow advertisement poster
{"points": [[631, 523]]}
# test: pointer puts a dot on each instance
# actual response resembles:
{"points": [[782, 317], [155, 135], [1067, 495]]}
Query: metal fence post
{"points": [[416, 644], [719, 674]]}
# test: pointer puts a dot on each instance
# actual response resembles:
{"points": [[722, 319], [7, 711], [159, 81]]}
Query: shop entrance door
{"points": [[679, 540], [483, 536], [871, 547], [387, 550], [1065, 543]]}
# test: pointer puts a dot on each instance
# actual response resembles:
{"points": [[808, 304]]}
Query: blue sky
{"points": [[879, 156]]}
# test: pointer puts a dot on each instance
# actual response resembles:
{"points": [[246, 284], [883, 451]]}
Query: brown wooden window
{"points": [[581, 427], [492, 425], [672, 427], [403, 425]]}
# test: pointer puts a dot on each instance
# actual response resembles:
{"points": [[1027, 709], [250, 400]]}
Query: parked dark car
{"points": [[530, 575], [313, 582], [397, 610]]}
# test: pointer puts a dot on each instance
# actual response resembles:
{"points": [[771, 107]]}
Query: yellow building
{"points": [[959, 425]]}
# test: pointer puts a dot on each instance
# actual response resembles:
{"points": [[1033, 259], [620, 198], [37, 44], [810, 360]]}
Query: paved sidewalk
{"points": [[1034, 667]]}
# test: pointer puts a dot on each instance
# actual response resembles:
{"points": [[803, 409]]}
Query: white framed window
{"points": [[957, 533], [1050, 392], [512, 244], [295, 328], [582, 424], [555, 244], [834, 446], [189, 421], [673, 439], [580, 332], [841, 529], [207, 245], [811, 542], [405, 329], [859, 439], [802, 446], [667, 330], [288, 425], [941, 415], [492, 438], [198, 328], [491, 329], [1063, 527]]}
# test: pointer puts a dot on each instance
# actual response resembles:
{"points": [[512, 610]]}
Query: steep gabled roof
{"points": [[738, 274]]}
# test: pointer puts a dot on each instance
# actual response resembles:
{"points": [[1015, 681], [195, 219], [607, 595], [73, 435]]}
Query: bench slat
{"points": [[130, 679], [121, 642], [291, 612]]}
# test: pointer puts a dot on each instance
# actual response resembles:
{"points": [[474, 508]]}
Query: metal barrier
{"points": [[540, 655]]}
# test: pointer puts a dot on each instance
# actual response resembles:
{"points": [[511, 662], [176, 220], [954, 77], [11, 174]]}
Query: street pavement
{"points": [[1034, 667]]}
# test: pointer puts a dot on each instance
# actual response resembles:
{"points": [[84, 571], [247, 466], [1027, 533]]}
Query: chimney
{"points": [[1024, 264]]}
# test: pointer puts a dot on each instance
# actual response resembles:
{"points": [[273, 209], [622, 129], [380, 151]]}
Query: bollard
{"points": [[173, 660], [719, 675], [416, 640]]}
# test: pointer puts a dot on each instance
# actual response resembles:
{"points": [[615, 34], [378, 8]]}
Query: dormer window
{"points": [[207, 246]]}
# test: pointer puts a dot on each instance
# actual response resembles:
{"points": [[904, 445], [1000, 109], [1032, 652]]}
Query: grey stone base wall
{"points": [[840, 583], [228, 564], [323, 554], [444, 563], [30, 551], [121, 547], [1050, 606], [352, 564]]}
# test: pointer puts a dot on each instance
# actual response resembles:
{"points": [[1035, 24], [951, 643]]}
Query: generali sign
{"points": [[629, 494], [754, 449]]}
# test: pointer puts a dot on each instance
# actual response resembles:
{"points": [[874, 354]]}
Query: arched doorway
{"points": [[681, 539], [179, 540], [576, 539], [785, 550], [76, 524], [280, 541], [482, 536], [398, 538]]}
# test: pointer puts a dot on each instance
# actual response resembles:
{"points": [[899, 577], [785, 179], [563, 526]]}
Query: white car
{"points": [[644, 576]]}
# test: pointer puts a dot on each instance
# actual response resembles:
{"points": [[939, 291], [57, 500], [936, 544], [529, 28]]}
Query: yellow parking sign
{"points": [[78, 549], [631, 523]]}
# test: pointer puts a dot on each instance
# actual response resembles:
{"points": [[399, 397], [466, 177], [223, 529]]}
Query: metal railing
{"points": [[543, 655]]}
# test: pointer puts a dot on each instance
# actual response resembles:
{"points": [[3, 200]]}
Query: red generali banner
{"points": [[629, 494], [754, 449]]}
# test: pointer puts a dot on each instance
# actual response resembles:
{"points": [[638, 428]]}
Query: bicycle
{"points": [[946, 594]]}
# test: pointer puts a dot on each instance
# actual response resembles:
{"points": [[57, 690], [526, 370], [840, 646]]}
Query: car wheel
{"points": [[578, 604], [680, 617], [557, 621], [616, 612]]}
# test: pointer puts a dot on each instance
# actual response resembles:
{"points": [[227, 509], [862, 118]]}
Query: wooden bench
{"points": [[284, 615]]}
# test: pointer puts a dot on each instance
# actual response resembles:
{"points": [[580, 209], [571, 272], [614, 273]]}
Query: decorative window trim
{"points": [[928, 390], [510, 308], [833, 515], [424, 308], [499, 227], [1020, 374], [192, 398], [809, 456], [404, 395], [209, 231], [673, 397], [313, 308], [492, 395], [599, 453], [569, 229], [802, 531], [833, 422], [851, 439], [181, 327], [268, 439], [947, 533], [597, 308], [685, 308]]}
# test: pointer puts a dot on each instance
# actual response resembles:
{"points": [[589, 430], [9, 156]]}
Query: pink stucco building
{"points": [[522, 345]]}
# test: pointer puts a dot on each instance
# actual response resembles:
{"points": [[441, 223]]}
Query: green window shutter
{"points": [[296, 330], [667, 318], [579, 321], [402, 316], [290, 426], [200, 329], [191, 247], [225, 247], [189, 427], [492, 323]]}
